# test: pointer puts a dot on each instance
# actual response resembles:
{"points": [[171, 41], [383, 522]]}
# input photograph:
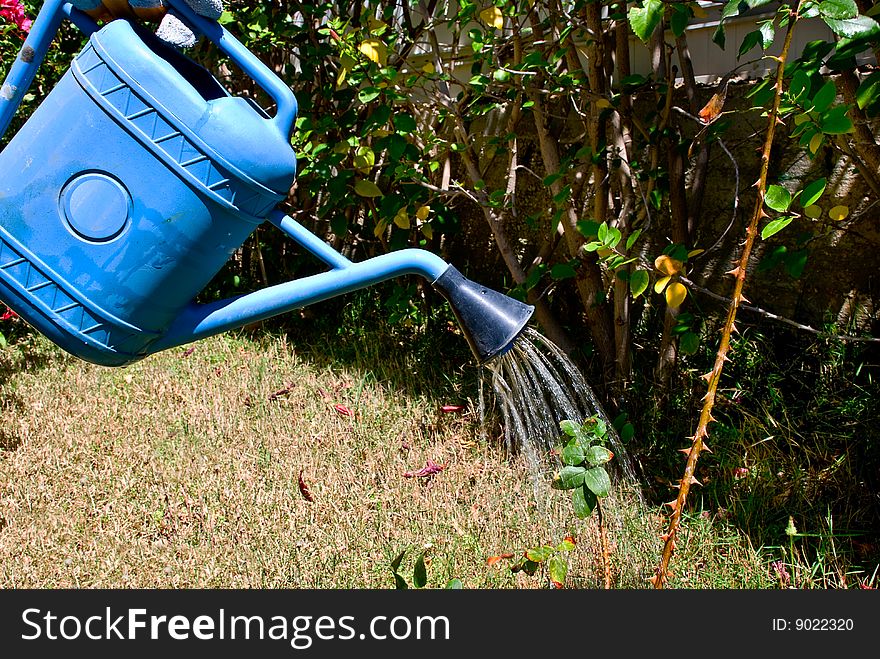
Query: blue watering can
{"points": [[137, 178]]}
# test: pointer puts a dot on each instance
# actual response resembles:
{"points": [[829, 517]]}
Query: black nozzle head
{"points": [[490, 320]]}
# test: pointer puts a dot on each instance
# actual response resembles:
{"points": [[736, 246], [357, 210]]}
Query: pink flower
{"points": [[781, 573], [13, 12]]}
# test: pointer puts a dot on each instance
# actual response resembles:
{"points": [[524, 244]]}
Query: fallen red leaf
{"points": [[343, 410], [571, 539], [428, 470], [494, 559], [451, 408], [281, 392], [304, 489], [188, 352], [556, 584]]}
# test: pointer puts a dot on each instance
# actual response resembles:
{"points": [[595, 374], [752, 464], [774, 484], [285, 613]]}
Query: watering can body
{"points": [[137, 178], [128, 189]]}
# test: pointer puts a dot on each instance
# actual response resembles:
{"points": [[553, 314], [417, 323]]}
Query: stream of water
{"points": [[536, 386]]}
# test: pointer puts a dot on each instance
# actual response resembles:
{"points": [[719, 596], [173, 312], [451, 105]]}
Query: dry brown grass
{"points": [[182, 471]]}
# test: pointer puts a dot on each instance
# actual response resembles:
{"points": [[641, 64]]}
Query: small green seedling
{"points": [[583, 456]]}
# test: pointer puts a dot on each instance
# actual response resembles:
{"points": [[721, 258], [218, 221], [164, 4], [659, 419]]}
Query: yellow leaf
{"points": [[801, 119], [428, 231], [492, 16], [402, 219], [694, 252], [604, 252], [675, 294], [374, 50], [816, 142], [423, 212], [380, 228], [667, 265], [429, 68], [343, 73], [699, 12], [603, 103], [813, 211], [661, 284], [838, 213]]}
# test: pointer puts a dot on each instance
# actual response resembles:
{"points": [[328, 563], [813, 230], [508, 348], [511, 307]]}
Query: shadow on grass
{"points": [[424, 354], [25, 352]]}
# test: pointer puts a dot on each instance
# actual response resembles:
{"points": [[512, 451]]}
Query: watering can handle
{"points": [[24, 68], [283, 96]]}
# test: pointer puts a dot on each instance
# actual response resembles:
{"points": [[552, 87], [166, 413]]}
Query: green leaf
{"points": [[454, 584], [638, 282], [570, 428], [645, 19], [565, 545], [812, 192], [824, 97], [530, 567], [573, 453], [680, 18], [588, 228], [775, 226], [420, 574], [557, 568], [598, 455], [838, 9], [563, 271], [367, 188], [404, 123], [540, 554], [749, 41], [364, 158], [796, 262], [633, 237], [861, 26], [597, 481], [395, 564], [584, 502], [778, 198], [736, 7], [627, 432], [719, 37], [368, 94], [400, 582], [689, 343], [768, 34], [612, 238], [835, 121], [868, 93], [569, 477]]}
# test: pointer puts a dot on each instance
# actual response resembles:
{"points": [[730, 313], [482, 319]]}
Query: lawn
{"points": [[248, 463]]}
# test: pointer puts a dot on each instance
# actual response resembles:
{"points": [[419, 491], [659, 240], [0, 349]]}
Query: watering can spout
{"points": [[490, 320]]}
